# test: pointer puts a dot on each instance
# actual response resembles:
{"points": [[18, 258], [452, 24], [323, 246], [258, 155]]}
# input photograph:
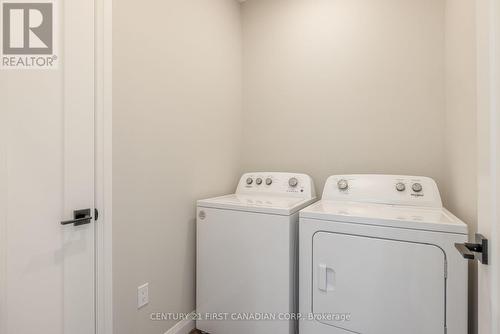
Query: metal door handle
{"points": [[465, 251], [472, 251], [81, 217]]}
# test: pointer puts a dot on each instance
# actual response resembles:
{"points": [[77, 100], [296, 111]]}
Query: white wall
{"points": [[177, 135], [461, 143], [337, 86]]}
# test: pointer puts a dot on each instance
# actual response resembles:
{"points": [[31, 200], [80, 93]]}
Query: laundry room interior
{"points": [[250, 167], [204, 91]]}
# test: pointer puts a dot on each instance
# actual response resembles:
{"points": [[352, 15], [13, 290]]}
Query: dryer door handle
{"points": [[326, 278], [322, 277]]}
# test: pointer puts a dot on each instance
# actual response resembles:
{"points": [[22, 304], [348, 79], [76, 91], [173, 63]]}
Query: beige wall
{"points": [[177, 132], [461, 143], [384, 86], [337, 86], [330, 86]]}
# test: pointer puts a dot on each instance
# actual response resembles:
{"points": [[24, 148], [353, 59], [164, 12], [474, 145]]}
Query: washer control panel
{"points": [[286, 184], [383, 189]]}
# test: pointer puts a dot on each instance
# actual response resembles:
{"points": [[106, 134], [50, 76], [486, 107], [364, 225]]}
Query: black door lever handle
{"points": [[465, 251], [81, 217], [473, 251]]}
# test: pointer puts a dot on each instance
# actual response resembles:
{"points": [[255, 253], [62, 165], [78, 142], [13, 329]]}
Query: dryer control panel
{"points": [[280, 184], [383, 189]]}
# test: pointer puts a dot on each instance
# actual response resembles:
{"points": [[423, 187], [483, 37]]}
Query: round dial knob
{"points": [[269, 181], [293, 182], [343, 184], [417, 187], [400, 186], [249, 181], [258, 181]]}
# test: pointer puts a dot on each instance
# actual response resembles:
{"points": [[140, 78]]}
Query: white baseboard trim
{"points": [[183, 327]]}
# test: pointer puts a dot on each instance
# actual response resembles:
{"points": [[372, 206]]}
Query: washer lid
{"points": [[408, 217], [257, 203]]}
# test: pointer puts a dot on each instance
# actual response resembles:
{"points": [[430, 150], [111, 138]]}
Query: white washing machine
{"points": [[377, 256], [247, 255]]}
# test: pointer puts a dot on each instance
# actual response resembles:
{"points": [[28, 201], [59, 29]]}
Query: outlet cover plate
{"points": [[142, 295]]}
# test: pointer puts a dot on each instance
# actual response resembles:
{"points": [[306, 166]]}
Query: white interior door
{"points": [[47, 172], [488, 60]]}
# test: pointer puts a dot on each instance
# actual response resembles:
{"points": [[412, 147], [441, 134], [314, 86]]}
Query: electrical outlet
{"points": [[142, 295]]}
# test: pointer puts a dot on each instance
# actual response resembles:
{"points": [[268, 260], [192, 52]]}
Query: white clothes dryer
{"points": [[377, 256]]}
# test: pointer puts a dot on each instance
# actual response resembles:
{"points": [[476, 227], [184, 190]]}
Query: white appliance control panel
{"points": [[284, 184], [383, 189]]}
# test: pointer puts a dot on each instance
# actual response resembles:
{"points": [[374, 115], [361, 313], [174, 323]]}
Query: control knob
{"points": [[293, 182], [258, 181], [400, 186], [343, 184], [417, 187], [249, 181], [269, 181]]}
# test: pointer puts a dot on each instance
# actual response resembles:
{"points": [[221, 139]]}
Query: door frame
{"points": [[488, 116], [103, 166]]}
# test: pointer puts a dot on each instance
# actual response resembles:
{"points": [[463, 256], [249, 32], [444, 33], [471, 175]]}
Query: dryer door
{"points": [[383, 286]]}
